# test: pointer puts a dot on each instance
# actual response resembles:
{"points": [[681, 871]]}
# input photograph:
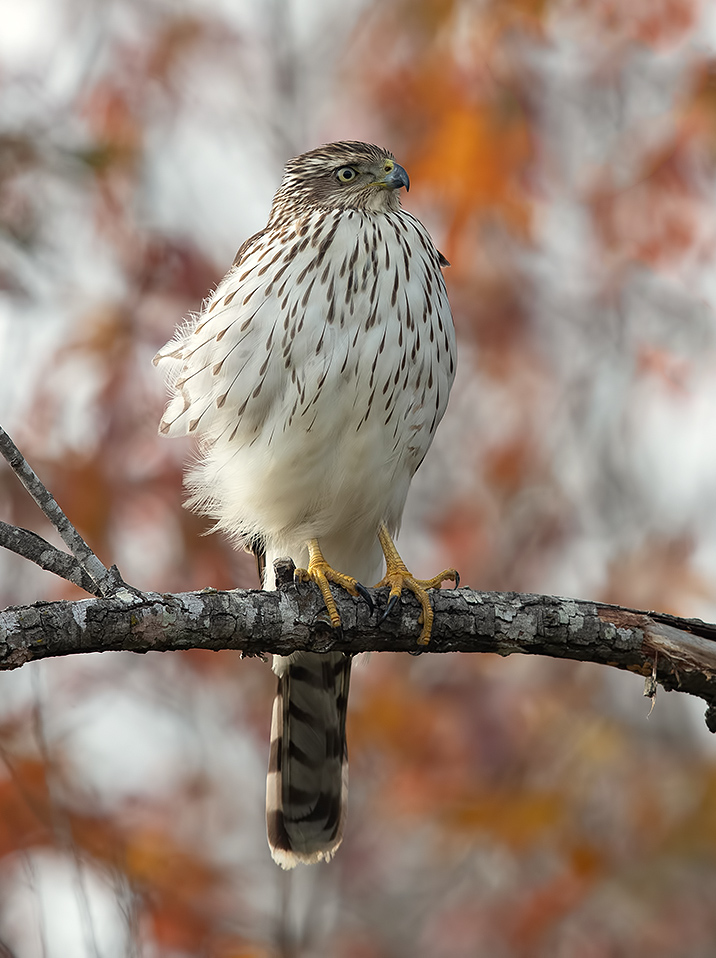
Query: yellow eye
{"points": [[388, 166], [345, 174]]}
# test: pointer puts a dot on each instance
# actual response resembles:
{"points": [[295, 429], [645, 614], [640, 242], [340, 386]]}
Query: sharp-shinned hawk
{"points": [[316, 375]]}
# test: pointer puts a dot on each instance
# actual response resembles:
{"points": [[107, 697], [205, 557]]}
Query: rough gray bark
{"points": [[675, 653]]}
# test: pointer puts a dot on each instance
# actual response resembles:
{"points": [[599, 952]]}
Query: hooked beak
{"points": [[396, 178]]}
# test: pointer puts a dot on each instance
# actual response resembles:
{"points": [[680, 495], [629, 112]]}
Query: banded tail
{"points": [[307, 781]]}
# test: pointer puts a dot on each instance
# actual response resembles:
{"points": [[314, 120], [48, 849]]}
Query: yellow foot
{"points": [[398, 578], [321, 573]]}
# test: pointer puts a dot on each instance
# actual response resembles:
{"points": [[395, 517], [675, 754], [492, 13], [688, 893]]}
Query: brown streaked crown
{"points": [[311, 181]]}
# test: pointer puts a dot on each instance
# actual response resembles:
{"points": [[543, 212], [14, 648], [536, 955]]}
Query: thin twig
{"points": [[31, 546], [107, 580]]}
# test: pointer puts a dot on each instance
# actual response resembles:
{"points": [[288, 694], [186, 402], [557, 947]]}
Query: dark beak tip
{"points": [[398, 178]]}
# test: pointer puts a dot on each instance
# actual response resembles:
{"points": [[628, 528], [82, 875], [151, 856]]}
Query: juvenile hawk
{"points": [[316, 375]]}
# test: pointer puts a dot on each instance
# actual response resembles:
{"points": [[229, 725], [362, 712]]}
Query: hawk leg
{"points": [[320, 572], [398, 577]]}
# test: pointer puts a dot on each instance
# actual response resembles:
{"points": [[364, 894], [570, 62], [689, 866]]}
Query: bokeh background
{"points": [[563, 155]]}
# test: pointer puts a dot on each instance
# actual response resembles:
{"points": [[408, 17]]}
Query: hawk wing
{"points": [[224, 338]]}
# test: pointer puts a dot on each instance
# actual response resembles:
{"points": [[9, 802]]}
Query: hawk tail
{"points": [[307, 778]]}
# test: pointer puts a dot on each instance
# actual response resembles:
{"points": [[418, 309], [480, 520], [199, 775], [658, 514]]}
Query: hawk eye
{"points": [[345, 174]]}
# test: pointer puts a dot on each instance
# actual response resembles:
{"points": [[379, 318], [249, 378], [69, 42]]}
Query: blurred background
{"points": [[563, 155]]}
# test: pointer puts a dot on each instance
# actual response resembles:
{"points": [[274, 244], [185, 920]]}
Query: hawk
{"points": [[316, 375]]}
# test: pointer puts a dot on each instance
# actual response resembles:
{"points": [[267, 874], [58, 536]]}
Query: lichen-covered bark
{"points": [[678, 653]]}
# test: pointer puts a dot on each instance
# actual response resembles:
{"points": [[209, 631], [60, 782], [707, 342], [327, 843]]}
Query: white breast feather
{"points": [[315, 381]]}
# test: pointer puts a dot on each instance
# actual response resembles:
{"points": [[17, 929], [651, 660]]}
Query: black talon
{"points": [[392, 602], [365, 594], [457, 579]]}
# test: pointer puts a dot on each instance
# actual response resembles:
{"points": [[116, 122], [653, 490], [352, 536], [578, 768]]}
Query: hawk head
{"points": [[345, 175]]}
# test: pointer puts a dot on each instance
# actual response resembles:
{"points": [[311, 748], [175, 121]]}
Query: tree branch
{"points": [[106, 581], [38, 550], [677, 653]]}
